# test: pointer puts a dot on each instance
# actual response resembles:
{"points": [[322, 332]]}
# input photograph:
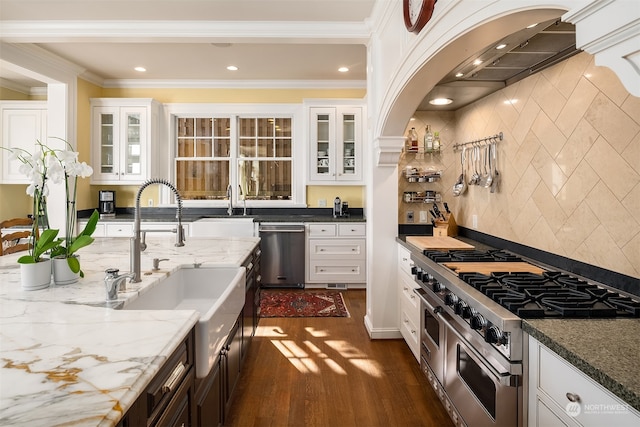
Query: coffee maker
{"points": [[107, 203]]}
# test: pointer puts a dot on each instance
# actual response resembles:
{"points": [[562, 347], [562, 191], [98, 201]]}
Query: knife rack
{"points": [[446, 228]]}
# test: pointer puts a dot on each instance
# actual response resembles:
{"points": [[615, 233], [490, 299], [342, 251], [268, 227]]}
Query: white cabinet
{"points": [[23, 124], [553, 382], [125, 228], [409, 303], [335, 136], [122, 131], [336, 253]]}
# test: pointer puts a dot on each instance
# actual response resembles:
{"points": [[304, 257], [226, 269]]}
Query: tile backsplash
{"points": [[569, 165]]}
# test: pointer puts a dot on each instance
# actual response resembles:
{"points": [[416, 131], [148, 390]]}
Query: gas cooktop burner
{"points": [[552, 294], [469, 256]]}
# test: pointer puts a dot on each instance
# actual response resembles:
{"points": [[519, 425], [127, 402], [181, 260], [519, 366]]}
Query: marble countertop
{"points": [[71, 360], [604, 349]]}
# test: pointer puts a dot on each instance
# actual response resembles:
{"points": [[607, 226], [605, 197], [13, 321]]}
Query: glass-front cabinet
{"points": [[122, 130], [335, 135]]}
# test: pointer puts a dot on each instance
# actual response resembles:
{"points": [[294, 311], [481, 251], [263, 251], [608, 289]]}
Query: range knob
{"points": [[437, 286], [450, 299], [460, 307], [477, 321], [493, 335]]}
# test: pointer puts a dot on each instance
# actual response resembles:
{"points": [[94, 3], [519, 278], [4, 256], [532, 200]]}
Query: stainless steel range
{"points": [[472, 305]]}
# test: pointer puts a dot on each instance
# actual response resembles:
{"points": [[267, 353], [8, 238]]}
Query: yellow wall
{"points": [[125, 196], [353, 194], [8, 94], [15, 203], [86, 90]]}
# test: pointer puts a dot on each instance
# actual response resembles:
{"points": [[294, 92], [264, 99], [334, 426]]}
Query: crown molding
{"points": [[235, 84], [167, 31]]}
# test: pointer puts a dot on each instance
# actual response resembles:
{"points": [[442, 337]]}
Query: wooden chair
{"points": [[15, 241]]}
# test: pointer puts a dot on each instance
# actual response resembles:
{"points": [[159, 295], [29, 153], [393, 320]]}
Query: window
{"points": [[253, 153]]}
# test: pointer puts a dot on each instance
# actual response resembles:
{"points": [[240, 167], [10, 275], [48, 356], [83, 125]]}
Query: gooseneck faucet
{"points": [[230, 197], [136, 246]]}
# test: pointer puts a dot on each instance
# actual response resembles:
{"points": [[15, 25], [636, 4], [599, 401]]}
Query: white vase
{"points": [[35, 276], [62, 274]]}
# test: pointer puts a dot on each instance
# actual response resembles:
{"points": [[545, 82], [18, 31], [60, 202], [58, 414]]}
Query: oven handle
{"points": [[503, 379], [421, 293]]}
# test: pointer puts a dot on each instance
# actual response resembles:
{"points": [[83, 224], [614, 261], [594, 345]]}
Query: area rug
{"points": [[302, 303]]}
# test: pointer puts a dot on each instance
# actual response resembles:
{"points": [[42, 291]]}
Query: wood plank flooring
{"points": [[325, 372]]}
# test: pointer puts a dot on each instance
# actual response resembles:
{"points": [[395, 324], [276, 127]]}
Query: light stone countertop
{"points": [[67, 359]]}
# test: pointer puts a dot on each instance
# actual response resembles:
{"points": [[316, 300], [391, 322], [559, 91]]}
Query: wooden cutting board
{"points": [[437, 243], [491, 267]]}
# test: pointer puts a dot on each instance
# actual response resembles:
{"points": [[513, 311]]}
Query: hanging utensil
{"points": [[460, 186], [496, 175], [492, 154]]}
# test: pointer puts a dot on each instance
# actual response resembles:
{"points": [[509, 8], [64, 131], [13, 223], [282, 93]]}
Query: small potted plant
{"points": [[56, 165]]}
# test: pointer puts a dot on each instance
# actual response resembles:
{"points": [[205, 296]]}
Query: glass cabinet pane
{"points": [[322, 165], [106, 143], [132, 146], [348, 144]]}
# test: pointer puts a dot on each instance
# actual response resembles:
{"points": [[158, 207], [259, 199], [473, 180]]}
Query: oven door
{"points": [[483, 393], [432, 335]]}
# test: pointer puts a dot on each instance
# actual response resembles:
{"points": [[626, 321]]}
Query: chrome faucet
{"points": [[113, 281], [244, 200], [230, 197], [136, 242]]}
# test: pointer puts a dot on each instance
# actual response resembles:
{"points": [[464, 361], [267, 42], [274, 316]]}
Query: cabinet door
{"points": [[21, 128], [349, 144], [105, 143], [133, 147], [322, 134]]}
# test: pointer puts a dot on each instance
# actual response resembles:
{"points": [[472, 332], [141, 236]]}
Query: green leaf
{"points": [[74, 264], [26, 259], [91, 224], [79, 243]]}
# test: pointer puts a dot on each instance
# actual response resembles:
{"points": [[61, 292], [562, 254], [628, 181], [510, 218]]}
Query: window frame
{"points": [[234, 112]]}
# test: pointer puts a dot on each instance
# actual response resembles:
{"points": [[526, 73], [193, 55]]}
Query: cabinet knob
{"points": [[573, 397]]}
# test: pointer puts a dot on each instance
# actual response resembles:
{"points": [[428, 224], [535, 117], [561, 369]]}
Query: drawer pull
{"points": [[174, 378], [321, 250], [353, 249], [573, 397]]}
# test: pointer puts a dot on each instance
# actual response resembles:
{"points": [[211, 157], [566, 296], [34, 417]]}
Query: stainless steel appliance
{"points": [[106, 203], [283, 255], [471, 335]]}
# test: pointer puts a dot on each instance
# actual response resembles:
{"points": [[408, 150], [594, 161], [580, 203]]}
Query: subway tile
{"points": [[632, 203], [576, 106], [611, 122], [612, 168], [576, 147], [607, 82], [577, 227], [611, 214], [549, 207], [571, 73], [606, 250], [631, 106], [542, 235], [548, 134], [549, 171], [632, 251], [548, 98], [523, 125], [577, 187]]}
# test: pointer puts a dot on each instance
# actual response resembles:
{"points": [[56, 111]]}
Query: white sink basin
{"points": [[217, 293], [223, 227]]}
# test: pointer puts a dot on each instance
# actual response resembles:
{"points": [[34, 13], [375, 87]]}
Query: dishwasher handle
{"points": [[281, 229]]}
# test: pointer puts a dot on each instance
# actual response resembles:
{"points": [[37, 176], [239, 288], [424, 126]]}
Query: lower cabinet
{"points": [[562, 395], [168, 400], [408, 303], [214, 394]]}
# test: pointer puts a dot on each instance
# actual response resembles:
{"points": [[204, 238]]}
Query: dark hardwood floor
{"points": [[326, 372]]}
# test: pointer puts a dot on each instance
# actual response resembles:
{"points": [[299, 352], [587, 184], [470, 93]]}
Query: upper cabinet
{"points": [[122, 131], [23, 124], [335, 141]]}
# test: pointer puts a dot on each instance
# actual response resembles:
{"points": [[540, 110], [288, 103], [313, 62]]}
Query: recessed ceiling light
{"points": [[511, 101], [440, 101], [477, 62], [140, 69], [343, 69], [501, 46], [532, 25], [232, 68], [459, 75]]}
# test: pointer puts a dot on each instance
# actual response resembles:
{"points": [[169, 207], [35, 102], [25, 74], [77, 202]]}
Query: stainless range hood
{"points": [[524, 53]]}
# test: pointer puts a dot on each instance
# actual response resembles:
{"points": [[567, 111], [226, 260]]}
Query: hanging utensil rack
{"points": [[493, 138]]}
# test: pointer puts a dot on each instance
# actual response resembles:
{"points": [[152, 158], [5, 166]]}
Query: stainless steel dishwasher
{"points": [[282, 263]]}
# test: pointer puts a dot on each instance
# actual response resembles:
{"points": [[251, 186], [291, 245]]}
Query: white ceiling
{"points": [[294, 42]]}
